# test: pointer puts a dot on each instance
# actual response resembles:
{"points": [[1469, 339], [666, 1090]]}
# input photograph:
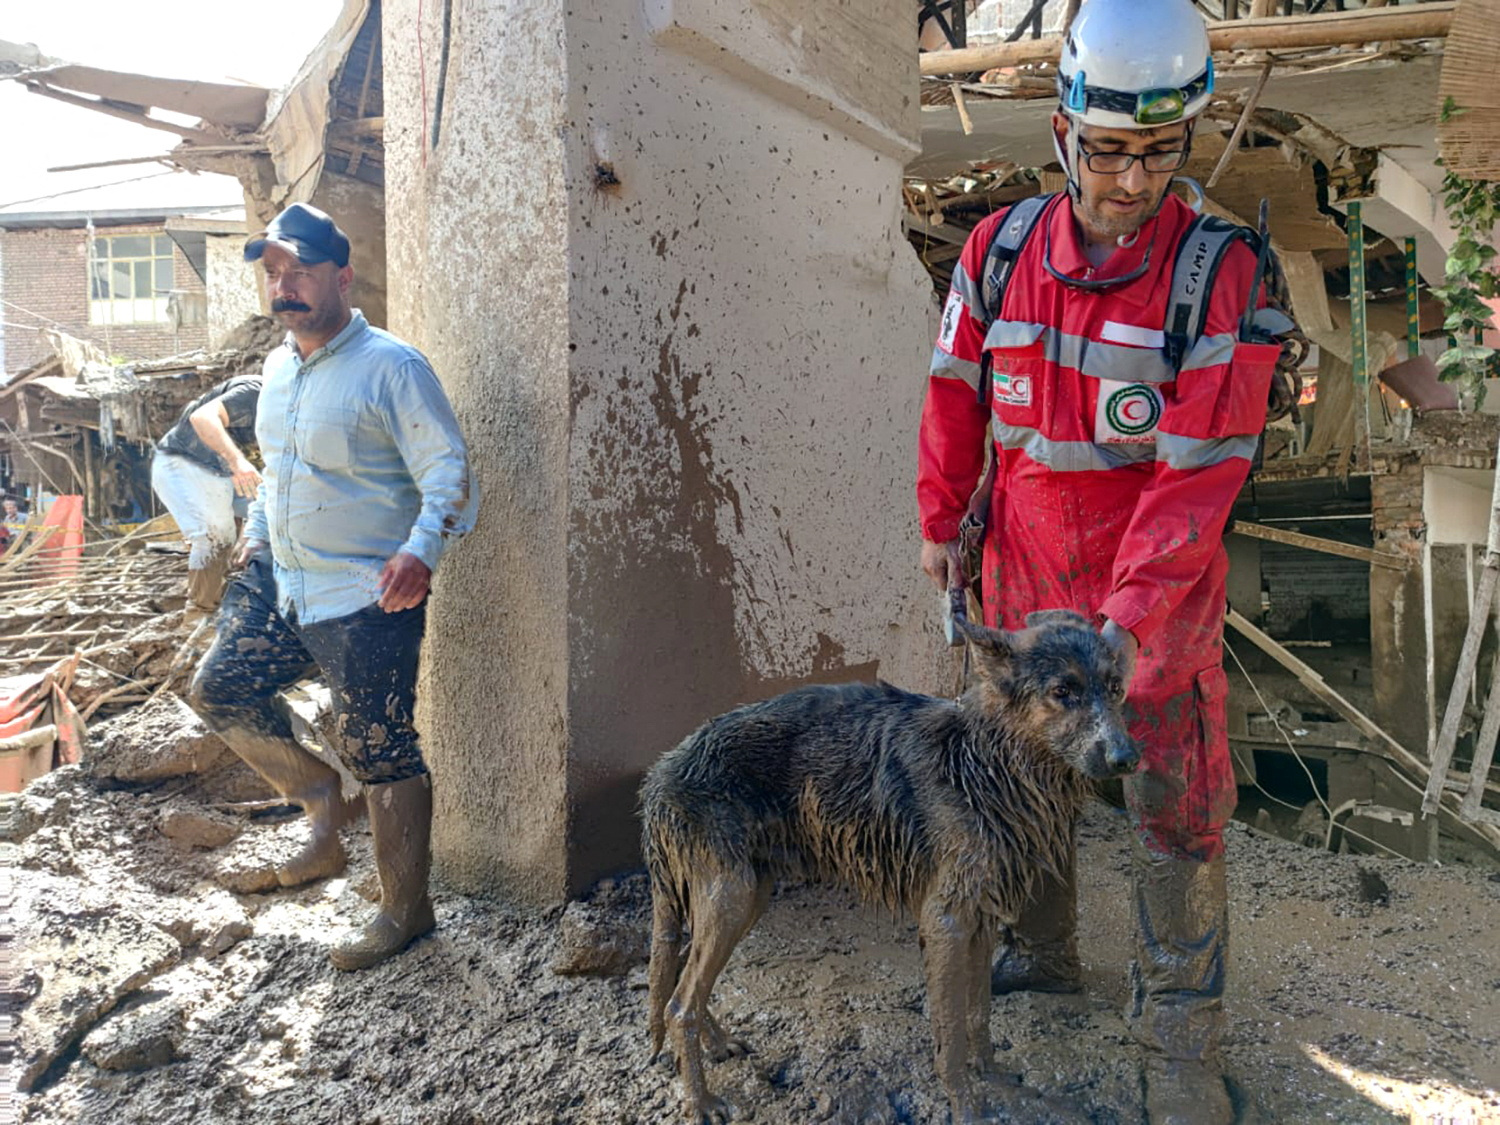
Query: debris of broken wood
{"points": [[117, 615], [1408, 770]]}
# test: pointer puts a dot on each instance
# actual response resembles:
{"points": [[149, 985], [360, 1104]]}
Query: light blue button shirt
{"points": [[363, 458]]}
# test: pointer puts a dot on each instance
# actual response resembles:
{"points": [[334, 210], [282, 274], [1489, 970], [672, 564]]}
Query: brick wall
{"points": [[1396, 498], [44, 282]]}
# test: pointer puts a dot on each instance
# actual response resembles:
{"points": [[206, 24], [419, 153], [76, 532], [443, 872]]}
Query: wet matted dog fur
{"points": [[946, 809]]}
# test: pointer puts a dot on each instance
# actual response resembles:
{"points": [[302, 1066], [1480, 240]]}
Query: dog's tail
{"points": [[669, 918]]}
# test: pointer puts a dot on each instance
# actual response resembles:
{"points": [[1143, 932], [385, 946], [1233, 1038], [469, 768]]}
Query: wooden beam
{"points": [[168, 157], [947, 232], [1233, 144], [1315, 683], [1318, 543], [1326, 29], [1386, 746], [140, 118], [361, 130]]}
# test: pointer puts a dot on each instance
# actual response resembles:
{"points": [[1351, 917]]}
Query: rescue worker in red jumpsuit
{"points": [[1116, 469]]}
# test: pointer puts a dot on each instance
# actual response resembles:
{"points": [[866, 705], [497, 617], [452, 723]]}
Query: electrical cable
{"points": [[1286, 737], [91, 187], [29, 312]]}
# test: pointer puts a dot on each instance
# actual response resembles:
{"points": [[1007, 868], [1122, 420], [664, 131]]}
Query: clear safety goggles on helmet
{"points": [[1147, 108]]}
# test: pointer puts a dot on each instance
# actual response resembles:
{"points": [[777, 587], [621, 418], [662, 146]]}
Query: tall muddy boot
{"points": [[401, 822], [1177, 1010], [206, 583], [315, 786], [1040, 952]]}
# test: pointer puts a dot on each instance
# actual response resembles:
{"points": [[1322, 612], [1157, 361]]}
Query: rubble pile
{"points": [[146, 992], [115, 615]]}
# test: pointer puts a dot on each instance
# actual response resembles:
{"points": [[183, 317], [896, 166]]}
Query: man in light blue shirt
{"points": [[366, 482]]}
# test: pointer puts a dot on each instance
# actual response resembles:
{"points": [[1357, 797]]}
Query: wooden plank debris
{"points": [[1480, 617], [1386, 559], [1410, 769], [1325, 29]]}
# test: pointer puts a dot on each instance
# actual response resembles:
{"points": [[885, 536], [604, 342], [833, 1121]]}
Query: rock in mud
{"points": [[138, 1039], [199, 827], [591, 942], [212, 921]]}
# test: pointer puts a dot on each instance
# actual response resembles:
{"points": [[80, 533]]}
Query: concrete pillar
{"points": [[654, 252]]}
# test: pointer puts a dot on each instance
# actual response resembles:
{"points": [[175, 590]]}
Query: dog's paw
{"points": [[721, 1046], [709, 1110]]}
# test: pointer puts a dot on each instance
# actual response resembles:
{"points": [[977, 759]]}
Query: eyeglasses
{"points": [[1115, 163]]}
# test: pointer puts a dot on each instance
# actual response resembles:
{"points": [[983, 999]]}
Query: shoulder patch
{"points": [[953, 312]]}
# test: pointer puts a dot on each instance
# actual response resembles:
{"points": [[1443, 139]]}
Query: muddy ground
{"points": [[1360, 989]]}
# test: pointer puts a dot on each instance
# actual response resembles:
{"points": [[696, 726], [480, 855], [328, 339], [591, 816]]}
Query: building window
{"points": [[130, 279]]}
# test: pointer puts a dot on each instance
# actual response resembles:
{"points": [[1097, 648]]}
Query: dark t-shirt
{"points": [[239, 397]]}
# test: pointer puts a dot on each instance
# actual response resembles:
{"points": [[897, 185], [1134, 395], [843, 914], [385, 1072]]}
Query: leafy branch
{"points": [[1473, 208]]}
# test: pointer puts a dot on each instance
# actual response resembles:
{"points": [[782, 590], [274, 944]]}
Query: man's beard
{"points": [[1102, 221]]}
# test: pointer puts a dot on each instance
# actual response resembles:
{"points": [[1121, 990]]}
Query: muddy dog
{"points": [[947, 809]]}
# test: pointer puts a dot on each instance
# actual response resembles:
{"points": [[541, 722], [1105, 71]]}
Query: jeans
{"points": [[368, 659]]}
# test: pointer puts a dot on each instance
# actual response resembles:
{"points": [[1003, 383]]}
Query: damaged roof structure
{"points": [[317, 141], [75, 423]]}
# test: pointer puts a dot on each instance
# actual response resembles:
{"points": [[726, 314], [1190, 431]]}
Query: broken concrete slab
{"points": [[79, 954], [159, 740]]}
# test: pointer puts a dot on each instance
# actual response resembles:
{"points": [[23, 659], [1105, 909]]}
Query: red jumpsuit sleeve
{"points": [[1212, 417], [950, 446]]}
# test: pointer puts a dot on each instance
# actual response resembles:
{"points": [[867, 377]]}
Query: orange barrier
{"points": [[62, 543], [37, 704]]}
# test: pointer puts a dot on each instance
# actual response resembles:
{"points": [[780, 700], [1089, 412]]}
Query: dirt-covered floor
{"points": [[1360, 989]]}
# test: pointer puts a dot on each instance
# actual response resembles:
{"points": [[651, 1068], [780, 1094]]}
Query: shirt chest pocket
{"points": [[1017, 355], [327, 436]]}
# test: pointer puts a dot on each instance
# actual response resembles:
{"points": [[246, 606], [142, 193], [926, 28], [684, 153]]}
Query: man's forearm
{"points": [[213, 434]]}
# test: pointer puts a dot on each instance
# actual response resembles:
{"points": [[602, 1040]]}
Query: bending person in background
{"points": [[202, 473], [366, 483]]}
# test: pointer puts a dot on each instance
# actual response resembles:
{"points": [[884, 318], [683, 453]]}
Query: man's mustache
{"points": [[289, 306]]}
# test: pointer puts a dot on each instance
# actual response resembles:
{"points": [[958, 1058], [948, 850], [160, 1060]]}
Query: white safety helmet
{"points": [[1132, 64], [1135, 64]]}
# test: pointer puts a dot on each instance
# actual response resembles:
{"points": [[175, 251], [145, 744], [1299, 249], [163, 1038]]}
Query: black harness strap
{"points": [[999, 259]]}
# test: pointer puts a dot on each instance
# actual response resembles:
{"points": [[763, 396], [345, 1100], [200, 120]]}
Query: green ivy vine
{"points": [[1473, 208]]}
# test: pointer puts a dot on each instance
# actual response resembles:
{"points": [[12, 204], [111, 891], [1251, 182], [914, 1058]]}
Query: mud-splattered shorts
{"points": [[367, 658]]}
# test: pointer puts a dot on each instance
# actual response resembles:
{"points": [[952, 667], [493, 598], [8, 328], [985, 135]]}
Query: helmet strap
{"points": [[1067, 155]]}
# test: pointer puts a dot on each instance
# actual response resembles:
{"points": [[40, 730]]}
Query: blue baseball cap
{"points": [[306, 233]]}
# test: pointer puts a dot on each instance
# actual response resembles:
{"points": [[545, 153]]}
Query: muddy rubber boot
{"points": [[205, 585], [1177, 979], [1040, 952], [401, 822], [316, 787]]}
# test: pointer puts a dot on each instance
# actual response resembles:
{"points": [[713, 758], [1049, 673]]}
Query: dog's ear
{"points": [[1060, 616], [990, 646]]}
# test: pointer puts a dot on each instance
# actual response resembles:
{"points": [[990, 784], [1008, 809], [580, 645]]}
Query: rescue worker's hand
{"points": [[943, 563], [246, 479], [1123, 641], [403, 583], [245, 552]]}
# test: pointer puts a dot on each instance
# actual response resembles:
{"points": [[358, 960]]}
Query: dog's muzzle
{"points": [[1122, 755]]}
